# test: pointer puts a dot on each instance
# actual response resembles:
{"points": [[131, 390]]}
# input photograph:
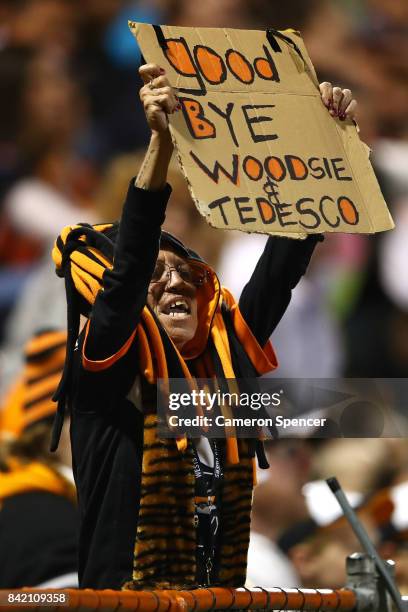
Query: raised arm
{"points": [[117, 309], [159, 100], [284, 261]]}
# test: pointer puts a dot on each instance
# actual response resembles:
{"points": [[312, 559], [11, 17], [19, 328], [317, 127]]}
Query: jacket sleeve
{"points": [[266, 296], [118, 306]]}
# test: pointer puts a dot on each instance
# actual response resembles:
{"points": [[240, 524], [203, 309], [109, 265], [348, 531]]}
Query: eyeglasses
{"points": [[189, 273]]}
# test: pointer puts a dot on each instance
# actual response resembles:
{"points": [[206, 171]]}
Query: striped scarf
{"points": [[165, 550]]}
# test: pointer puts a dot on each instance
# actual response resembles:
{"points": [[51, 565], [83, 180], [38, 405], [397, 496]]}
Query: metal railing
{"points": [[364, 592], [199, 600]]}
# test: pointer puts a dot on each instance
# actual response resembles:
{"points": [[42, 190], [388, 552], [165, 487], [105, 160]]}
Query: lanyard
{"points": [[206, 514], [203, 492]]}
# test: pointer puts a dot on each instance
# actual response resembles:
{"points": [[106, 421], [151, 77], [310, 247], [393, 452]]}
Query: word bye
{"points": [[202, 127]]}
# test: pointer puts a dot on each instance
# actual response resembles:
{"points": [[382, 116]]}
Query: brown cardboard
{"points": [[257, 146]]}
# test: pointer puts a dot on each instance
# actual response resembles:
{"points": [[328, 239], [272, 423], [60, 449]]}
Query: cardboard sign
{"points": [[256, 144]]}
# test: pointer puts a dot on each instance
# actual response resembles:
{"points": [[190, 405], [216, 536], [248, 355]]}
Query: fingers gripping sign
{"points": [[157, 96], [339, 102]]}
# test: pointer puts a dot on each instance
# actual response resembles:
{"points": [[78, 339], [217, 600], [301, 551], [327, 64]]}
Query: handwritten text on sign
{"points": [[258, 148]]}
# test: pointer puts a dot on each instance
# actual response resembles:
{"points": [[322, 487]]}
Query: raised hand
{"points": [[157, 96], [340, 102]]}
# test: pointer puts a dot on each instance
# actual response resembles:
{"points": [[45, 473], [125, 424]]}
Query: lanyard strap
{"points": [[206, 518], [202, 488]]}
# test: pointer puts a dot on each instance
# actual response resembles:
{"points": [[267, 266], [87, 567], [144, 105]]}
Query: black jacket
{"points": [[38, 539]]}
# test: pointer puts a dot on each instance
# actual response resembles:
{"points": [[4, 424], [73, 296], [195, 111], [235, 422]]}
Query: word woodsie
{"points": [[278, 169], [202, 63]]}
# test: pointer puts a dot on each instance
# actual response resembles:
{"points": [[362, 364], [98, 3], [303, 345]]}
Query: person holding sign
{"points": [[162, 513]]}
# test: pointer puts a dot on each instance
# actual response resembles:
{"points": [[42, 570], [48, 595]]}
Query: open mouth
{"points": [[177, 308]]}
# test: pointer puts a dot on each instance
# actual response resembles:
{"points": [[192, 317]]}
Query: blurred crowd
{"points": [[72, 134]]}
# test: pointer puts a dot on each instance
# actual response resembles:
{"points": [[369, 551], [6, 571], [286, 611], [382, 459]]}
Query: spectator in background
{"points": [[52, 113], [35, 24], [394, 533], [106, 60], [318, 547], [41, 304], [361, 465], [50, 180], [319, 555], [38, 517], [278, 504], [392, 263]]}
